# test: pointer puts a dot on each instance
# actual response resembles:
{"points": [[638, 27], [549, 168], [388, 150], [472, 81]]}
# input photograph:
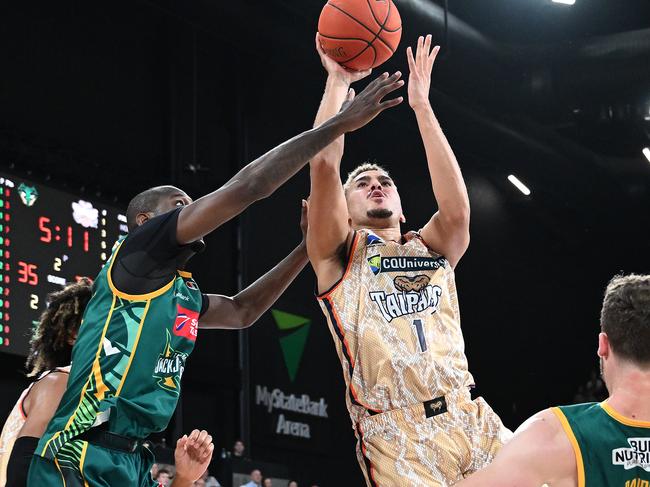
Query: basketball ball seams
{"points": [[376, 35], [352, 27], [374, 55], [368, 44], [372, 12], [383, 26]]}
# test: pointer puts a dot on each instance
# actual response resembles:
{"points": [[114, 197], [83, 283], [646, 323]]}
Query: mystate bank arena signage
{"points": [[289, 387], [277, 403]]}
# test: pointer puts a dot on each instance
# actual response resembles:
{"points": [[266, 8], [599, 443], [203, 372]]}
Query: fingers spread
{"points": [[409, 58], [390, 103], [433, 55], [389, 87]]}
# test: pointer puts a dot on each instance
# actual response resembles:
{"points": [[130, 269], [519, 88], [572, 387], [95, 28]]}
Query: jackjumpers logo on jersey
{"points": [[415, 295], [187, 323], [170, 367], [638, 455], [379, 264]]}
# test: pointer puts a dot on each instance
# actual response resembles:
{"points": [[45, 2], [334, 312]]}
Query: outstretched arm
{"points": [[448, 230], [244, 309], [329, 229], [538, 454], [263, 176]]}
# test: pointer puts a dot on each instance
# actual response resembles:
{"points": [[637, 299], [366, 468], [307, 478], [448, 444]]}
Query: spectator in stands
{"points": [[234, 462], [208, 480], [163, 477], [267, 482], [292, 483], [238, 449], [256, 479]]}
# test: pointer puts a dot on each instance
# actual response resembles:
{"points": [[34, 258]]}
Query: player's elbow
{"points": [[255, 188], [456, 218], [246, 315]]}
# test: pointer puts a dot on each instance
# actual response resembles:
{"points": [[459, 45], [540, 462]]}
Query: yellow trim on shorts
{"points": [[81, 463], [635, 423], [83, 389], [574, 443], [184, 274], [58, 467], [134, 297], [133, 350]]}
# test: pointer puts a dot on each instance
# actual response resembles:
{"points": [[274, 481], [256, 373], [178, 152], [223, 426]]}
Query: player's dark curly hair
{"points": [[50, 343]]}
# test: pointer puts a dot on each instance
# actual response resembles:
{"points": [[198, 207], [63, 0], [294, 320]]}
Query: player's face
{"points": [[373, 200], [174, 200]]}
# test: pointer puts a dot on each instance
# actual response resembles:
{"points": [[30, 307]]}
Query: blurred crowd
{"points": [[234, 460]]}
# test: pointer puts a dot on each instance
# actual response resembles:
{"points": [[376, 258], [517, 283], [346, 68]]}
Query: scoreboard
{"points": [[47, 238]]}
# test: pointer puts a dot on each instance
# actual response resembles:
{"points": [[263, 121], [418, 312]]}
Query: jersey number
{"points": [[419, 330]]}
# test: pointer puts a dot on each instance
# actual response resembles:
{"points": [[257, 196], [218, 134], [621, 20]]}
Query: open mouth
{"points": [[376, 194]]}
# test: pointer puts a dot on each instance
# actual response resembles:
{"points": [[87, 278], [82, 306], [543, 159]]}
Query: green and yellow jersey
{"points": [[611, 450], [128, 360]]}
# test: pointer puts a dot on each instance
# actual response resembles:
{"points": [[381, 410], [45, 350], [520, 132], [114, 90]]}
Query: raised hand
{"points": [[359, 110], [420, 71], [192, 457], [338, 72]]}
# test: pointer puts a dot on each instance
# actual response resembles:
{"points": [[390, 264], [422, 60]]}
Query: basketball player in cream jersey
{"points": [[390, 302]]}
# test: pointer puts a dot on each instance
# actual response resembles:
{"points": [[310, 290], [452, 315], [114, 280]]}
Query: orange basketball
{"points": [[359, 34]]}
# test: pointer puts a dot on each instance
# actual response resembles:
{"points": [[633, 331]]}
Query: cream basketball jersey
{"points": [[395, 321]]}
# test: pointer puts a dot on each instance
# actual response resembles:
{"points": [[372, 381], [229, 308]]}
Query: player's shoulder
{"points": [[545, 431], [54, 380]]}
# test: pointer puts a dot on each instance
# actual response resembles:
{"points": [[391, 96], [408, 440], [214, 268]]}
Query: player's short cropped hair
{"points": [[146, 202], [366, 166], [625, 317]]}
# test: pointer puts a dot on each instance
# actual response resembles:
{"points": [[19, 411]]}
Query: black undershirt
{"points": [[150, 256]]}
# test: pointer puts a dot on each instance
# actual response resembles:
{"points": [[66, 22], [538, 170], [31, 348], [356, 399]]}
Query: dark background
{"points": [[106, 100]]}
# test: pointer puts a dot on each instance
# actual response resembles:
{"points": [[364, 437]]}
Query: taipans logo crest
{"points": [[416, 294], [408, 284], [379, 264], [28, 194], [170, 367], [191, 284], [186, 324], [638, 455]]}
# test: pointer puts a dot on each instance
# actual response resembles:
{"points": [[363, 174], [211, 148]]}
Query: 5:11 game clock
{"points": [[47, 238]]}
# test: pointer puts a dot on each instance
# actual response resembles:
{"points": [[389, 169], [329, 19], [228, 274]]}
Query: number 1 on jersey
{"points": [[419, 329]]}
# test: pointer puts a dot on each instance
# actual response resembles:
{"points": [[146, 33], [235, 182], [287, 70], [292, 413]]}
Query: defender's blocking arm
{"points": [[263, 176], [448, 230], [244, 309]]}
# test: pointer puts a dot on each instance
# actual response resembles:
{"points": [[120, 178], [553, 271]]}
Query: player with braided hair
{"points": [[48, 359]]}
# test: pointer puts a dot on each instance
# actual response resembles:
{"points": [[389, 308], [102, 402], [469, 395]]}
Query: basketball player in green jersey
{"points": [[142, 320], [595, 444]]}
